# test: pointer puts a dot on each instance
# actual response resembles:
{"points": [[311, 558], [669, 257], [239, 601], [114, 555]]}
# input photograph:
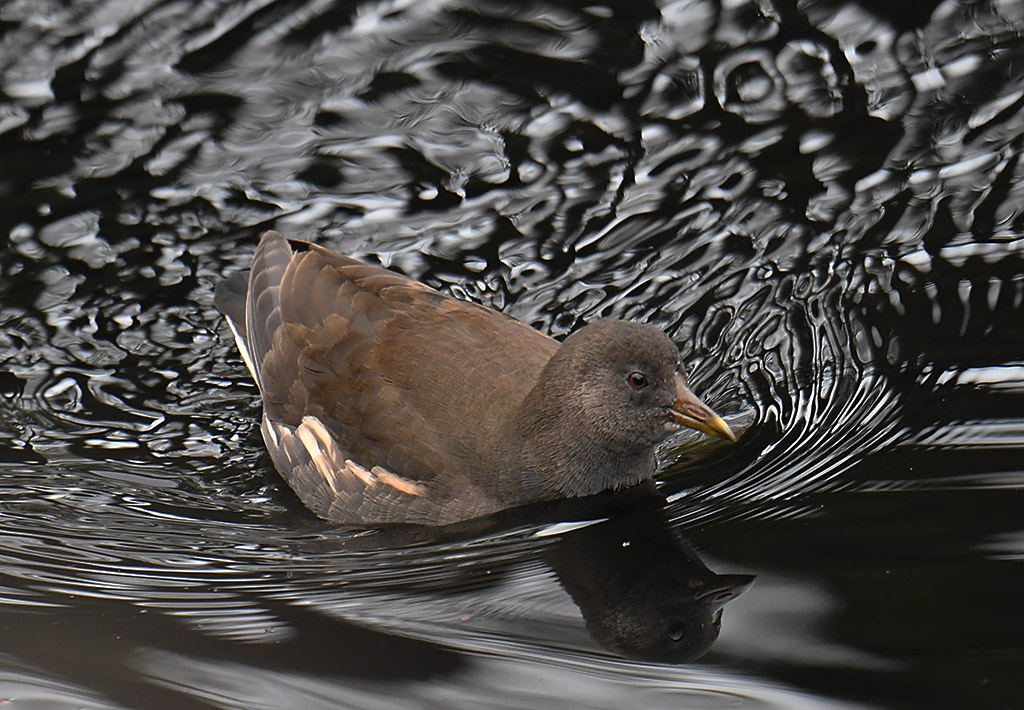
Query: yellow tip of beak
{"points": [[716, 426]]}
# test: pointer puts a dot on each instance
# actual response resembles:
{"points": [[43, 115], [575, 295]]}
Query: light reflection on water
{"points": [[820, 203]]}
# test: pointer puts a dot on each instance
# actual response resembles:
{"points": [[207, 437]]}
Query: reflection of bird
{"points": [[643, 591], [386, 401]]}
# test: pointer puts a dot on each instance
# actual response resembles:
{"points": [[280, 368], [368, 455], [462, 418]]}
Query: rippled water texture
{"points": [[821, 202]]}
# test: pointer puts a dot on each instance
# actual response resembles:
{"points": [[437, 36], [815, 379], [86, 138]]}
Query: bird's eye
{"points": [[675, 632], [637, 380]]}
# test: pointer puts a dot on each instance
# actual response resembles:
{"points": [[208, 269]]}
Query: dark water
{"points": [[822, 203]]}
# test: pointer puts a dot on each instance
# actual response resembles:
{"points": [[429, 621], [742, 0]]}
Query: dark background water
{"points": [[822, 203]]}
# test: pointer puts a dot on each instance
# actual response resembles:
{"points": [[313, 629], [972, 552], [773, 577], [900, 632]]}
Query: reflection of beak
{"points": [[725, 588], [690, 411]]}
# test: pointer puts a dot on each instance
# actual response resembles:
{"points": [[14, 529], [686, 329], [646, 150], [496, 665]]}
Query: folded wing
{"points": [[374, 409]]}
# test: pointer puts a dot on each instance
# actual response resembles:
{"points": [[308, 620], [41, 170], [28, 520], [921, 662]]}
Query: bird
{"points": [[386, 401]]}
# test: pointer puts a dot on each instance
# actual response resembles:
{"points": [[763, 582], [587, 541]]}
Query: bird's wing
{"points": [[380, 394]]}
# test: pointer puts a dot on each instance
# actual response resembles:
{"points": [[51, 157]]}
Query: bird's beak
{"points": [[724, 588], [690, 411]]}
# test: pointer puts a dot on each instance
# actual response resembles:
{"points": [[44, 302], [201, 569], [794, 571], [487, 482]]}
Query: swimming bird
{"points": [[386, 401]]}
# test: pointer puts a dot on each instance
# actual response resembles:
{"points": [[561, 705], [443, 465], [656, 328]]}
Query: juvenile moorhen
{"points": [[385, 401]]}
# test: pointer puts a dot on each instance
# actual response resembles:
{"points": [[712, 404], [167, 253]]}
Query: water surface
{"points": [[821, 203]]}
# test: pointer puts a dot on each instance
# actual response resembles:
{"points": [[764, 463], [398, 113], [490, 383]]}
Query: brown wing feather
{"points": [[339, 489], [405, 381]]}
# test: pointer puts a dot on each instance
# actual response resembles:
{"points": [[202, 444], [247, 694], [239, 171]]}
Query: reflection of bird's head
{"points": [[643, 591], [655, 624]]}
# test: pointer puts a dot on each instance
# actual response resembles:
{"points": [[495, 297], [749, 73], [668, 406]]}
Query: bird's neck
{"points": [[560, 456]]}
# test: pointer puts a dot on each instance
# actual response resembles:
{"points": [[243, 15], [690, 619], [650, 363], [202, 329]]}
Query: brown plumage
{"points": [[385, 401]]}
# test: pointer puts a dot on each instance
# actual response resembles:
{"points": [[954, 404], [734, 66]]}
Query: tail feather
{"points": [[229, 298]]}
